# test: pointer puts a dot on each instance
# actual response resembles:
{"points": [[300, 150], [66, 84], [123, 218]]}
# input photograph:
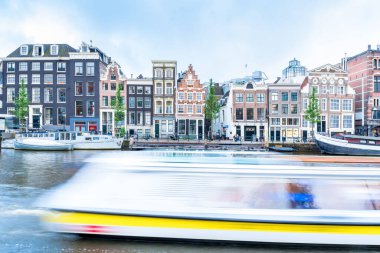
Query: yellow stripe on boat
{"points": [[77, 218]]}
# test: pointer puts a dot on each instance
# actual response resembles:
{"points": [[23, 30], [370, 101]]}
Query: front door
{"points": [[36, 121], [157, 130]]}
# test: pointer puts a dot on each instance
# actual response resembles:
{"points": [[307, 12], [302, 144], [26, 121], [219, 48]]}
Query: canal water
{"points": [[25, 175]]}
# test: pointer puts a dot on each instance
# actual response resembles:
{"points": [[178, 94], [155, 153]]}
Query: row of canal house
{"points": [[255, 108], [73, 89]]}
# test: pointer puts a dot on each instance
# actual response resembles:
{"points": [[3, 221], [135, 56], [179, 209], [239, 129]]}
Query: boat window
{"points": [[95, 138], [46, 135], [51, 135], [67, 136], [40, 135], [372, 142], [30, 135], [61, 136], [73, 136], [56, 136], [363, 141], [87, 138], [79, 134]]}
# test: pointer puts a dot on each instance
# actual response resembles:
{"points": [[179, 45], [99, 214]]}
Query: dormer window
{"points": [[84, 48], [37, 50], [54, 49], [24, 50]]}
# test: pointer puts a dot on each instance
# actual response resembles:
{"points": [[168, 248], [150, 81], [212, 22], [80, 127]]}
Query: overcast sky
{"points": [[219, 37]]}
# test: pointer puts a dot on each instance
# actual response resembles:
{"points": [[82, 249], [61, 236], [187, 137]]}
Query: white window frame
{"points": [[11, 79], [34, 66], [324, 104], [48, 66], [24, 50], [58, 100], [54, 49], [11, 95], [331, 104], [23, 66], [23, 77], [344, 105], [331, 121], [36, 96], [45, 95], [46, 80], [181, 108], [351, 121], [61, 78], [11, 67], [36, 79]]}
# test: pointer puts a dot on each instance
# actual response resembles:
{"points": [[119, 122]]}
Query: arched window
{"points": [[169, 73], [249, 86], [158, 73]]}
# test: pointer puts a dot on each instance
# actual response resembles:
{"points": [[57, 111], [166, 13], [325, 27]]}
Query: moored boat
{"points": [[348, 145], [41, 145]]}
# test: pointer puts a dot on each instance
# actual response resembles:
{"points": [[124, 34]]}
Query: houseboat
{"points": [[348, 145]]}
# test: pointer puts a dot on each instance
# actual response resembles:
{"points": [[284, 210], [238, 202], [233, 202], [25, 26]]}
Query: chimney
{"points": [[131, 76], [369, 47]]}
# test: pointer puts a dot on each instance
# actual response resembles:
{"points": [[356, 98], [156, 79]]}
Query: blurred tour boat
{"points": [[348, 145], [219, 196]]}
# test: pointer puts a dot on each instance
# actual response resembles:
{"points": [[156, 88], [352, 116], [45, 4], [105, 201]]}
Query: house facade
{"points": [[110, 80], [164, 77], [190, 103]]}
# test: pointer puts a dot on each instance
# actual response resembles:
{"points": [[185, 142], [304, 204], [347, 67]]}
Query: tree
{"points": [[212, 105], [313, 111], [118, 106], [21, 104]]}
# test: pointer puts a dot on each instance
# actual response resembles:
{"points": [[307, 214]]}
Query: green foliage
{"points": [[313, 112], [118, 106], [21, 104], [212, 104]]}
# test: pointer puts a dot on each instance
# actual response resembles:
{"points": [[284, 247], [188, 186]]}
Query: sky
{"points": [[222, 39]]}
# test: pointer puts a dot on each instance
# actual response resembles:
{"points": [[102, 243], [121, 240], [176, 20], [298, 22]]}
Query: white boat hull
{"points": [[41, 145]]}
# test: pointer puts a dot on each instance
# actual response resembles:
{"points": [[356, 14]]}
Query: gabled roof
{"points": [[63, 50], [328, 68]]}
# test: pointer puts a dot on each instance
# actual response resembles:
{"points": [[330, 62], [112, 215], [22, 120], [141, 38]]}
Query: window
{"points": [[158, 73], [139, 90], [260, 98], [159, 88], [139, 118], [132, 102], [48, 66], [23, 78], [169, 107], [113, 86], [284, 109], [61, 95], [36, 95], [147, 90], [79, 68], [90, 89], [294, 96], [78, 89], [48, 95], [163, 126], [113, 100], [159, 107], [61, 115], [239, 113], [334, 104], [315, 88], [304, 122], [36, 79], [139, 102], [324, 89], [104, 86], [198, 96], [169, 89], [54, 49], [11, 67], [323, 104], [147, 102], [90, 68], [376, 114], [181, 108], [199, 109], [239, 97], [48, 79], [305, 103], [24, 50], [274, 96], [104, 100], [113, 77], [23, 66], [249, 97], [169, 73], [249, 113], [293, 109], [11, 95], [374, 63], [36, 66], [61, 66], [90, 108], [334, 121], [347, 105], [285, 96], [61, 79], [11, 79], [192, 127], [376, 83], [340, 90], [48, 116], [181, 95], [132, 118], [332, 89], [275, 109], [132, 89], [189, 109], [11, 111], [147, 119], [260, 113], [182, 126], [376, 102], [190, 96], [275, 121], [78, 108], [347, 121]]}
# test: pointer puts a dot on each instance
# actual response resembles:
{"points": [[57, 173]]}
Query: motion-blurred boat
{"points": [[282, 149], [217, 196], [41, 145], [348, 145]]}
